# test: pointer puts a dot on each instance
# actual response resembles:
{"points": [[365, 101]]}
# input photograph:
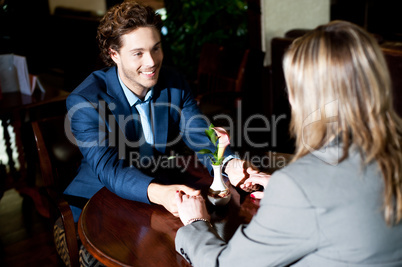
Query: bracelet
{"points": [[198, 219]]}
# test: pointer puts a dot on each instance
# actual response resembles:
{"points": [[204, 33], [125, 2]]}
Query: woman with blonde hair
{"points": [[339, 203]]}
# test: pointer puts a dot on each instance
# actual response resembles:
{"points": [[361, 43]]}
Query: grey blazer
{"points": [[313, 214]]}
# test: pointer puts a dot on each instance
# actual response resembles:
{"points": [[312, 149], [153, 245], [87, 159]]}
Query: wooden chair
{"points": [[295, 33], [227, 75], [228, 86], [59, 159], [221, 68], [220, 78], [279, 99], [393, 54]]}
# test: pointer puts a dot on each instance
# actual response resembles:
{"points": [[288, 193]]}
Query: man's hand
{"points": [[256, 179], [165, 195], [239, 170]]}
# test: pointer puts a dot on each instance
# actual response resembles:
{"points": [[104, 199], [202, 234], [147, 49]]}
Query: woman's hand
{"points": [[239, 170], [254, 180], [165, 195], [191, 207]]}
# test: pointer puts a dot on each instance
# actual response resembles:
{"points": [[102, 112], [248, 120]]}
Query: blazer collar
{"points": [[160, 107], [113, 87], [160, 114], [118, 104], [114, 90]]}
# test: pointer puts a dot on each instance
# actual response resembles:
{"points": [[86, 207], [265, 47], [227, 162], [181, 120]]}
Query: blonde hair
{"points": [[337, 73]]}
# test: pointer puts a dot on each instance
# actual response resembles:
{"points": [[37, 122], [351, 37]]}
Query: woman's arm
{"points": [[283, 231]]}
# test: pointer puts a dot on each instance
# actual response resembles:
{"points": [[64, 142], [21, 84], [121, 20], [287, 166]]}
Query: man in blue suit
{"points": [[126, 116]]}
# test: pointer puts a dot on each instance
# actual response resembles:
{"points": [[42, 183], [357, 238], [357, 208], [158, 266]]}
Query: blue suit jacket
{"points": [[106, 134]]}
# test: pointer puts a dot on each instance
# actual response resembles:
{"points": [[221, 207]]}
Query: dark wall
{"points": [[382, 17], [64, 42], [24, 27]]}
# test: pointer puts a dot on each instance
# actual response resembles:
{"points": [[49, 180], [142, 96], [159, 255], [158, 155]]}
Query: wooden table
{"points": [[120, 232]]}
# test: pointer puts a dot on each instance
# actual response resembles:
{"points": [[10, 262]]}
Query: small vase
{"points": [[218, 193]]}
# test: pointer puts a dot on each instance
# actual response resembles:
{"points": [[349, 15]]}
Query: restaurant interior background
{"points": [[58, 39]]}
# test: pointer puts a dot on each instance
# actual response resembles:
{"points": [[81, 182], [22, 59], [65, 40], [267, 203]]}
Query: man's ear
{"points": [[114, 55]]}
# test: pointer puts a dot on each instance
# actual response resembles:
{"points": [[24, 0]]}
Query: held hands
{"points": [[165, 195], [191, 207], [241, 173], [246, 176], [239, 170], [254, 180]]}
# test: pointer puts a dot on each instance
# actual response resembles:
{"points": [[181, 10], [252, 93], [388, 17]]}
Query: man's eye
{"points": [[137, 54]]}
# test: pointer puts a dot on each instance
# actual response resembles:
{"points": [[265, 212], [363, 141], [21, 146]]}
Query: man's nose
{"points": [[149, 59]]}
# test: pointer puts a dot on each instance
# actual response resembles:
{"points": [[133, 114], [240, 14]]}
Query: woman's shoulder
{"points": [[325, 161], [320, 179]]}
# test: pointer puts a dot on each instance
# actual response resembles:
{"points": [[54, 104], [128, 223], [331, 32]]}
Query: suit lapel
{"points": [[126, 117], [160, 117]]}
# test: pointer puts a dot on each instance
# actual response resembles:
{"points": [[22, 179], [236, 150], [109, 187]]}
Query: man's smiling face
{"points": [[139, 59]]}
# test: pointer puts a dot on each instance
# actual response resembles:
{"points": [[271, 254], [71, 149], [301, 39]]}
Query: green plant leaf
{"points": [[211, 135], [213, 160], [205, 151]]}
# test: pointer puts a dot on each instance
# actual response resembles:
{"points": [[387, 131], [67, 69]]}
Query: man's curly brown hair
{"points": [[122, 19]]}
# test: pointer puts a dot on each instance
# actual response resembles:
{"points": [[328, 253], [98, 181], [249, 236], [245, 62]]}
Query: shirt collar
{"points": [[131, 97]]}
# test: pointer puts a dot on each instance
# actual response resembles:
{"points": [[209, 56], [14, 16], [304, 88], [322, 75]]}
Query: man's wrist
{"points": [[225, 163], [153, 192]]}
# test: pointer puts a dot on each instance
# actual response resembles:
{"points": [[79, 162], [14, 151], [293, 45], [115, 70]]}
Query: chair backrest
{"points": [[279, 102], [221, 69], [56, 106], [59, 155], [279, 46], [59, 159], [279, 99], [393, 55]]}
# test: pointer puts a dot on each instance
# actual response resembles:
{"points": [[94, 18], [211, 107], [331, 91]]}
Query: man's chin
{"points": [[152, 81], [147, 85], [149, 81]]}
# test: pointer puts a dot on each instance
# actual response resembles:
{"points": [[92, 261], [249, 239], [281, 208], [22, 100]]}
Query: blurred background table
{"points": [[17, 154]]}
